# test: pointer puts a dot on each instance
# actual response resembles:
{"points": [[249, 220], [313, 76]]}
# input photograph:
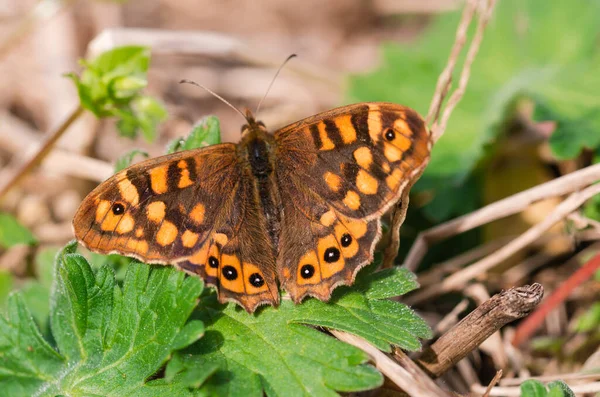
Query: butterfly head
{"points": [[253, 127]]}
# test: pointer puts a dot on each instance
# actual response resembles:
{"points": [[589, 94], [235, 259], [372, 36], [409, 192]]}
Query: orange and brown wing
{"points": [[341, 170], [319, 248], [188, 209], [358, 158]]}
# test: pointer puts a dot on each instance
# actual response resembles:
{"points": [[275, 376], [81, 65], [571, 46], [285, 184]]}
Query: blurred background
{"points": [[531, 113]]}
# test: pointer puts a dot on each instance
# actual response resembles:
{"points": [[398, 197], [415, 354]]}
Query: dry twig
{"points": [[500, 209], [443, 86], [482, 322], [493, 383], [458, 279], [530, 325], [407, 375], [445, 78], [438, 130]]}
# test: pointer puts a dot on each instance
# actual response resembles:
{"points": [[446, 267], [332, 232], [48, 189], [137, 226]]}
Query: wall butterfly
{"points": [[298, 209]]}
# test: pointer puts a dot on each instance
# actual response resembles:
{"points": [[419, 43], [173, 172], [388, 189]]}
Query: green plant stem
{"points": [[42, 152]]}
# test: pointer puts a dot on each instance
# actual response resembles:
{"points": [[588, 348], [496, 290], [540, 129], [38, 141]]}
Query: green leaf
{"points": [[111, 86], [28, 361], [13, 233], [127, 159], [148, 113], [548, 55], [274, 352], [191, 371], [559, 388], [533, 388], [188, 335], [205, 133], [109, 340], [6, 285], [590, 320]]}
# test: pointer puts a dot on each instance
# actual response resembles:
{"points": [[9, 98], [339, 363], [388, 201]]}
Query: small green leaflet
{"points": [[534, 388], [13, 233], [127, 159], [111, 86], [206, 132]]}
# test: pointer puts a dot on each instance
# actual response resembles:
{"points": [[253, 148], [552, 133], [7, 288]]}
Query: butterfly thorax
{"points": [[255, 147], [256, 151]]}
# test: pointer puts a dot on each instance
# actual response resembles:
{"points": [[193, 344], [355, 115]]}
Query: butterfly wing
{"points": [[191, 209], [338, 172]]}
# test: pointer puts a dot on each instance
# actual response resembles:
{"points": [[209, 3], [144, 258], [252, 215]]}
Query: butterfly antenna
{"points": [[215, 95], [272, 81]]}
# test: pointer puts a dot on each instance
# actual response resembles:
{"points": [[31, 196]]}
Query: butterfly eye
{"points": [[307, 271], [118, 208], [390, 134]]}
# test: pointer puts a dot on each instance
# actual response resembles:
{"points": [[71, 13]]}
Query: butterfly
{"points": [[299, 209]]}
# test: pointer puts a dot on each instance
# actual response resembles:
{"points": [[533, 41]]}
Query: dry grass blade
{"points": [[409, 377], [500, 209], [442, 88], [445, 78], [486, 13], [459, 279], [493, 383]]}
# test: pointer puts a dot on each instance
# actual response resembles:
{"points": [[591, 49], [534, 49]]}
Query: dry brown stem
{"points": [[493, 383], [404, 373], [459, 279], [445, 78], [438, 130], [482, 322], [500, 209]]}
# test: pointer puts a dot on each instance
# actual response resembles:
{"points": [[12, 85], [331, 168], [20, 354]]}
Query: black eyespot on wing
{"points": [[256, 280], [331, 255], [307, 271], [118, 208], [230, 273], [346, 240], [390, 134], [213, 262]]}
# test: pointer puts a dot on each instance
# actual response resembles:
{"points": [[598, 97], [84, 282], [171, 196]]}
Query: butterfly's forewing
{"points": [[188, 209], [343, 168]]}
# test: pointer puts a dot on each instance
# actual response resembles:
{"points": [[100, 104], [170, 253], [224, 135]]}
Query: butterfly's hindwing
{"points": [[320, 248]]}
